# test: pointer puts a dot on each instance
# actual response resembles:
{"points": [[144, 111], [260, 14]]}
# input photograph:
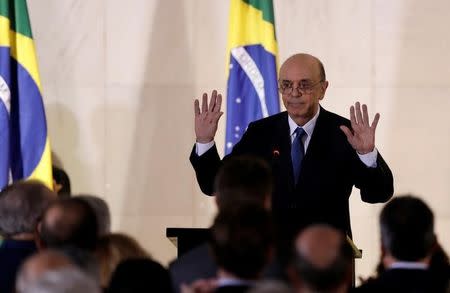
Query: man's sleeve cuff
{"points": [[201, 148], [369, 159]]}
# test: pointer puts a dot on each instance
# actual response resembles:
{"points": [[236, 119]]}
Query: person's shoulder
{"points": [[333, 118], [270, 120]]}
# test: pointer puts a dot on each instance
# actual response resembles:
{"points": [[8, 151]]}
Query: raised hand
{"points": [[362, 135], [207, 119]]}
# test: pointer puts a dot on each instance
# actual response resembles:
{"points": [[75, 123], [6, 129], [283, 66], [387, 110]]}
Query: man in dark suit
{"points": [[21, 206], [316, 156], [241, 245], [407, 242]]}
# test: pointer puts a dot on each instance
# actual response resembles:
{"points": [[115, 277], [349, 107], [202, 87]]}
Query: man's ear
{"points": [[323, 87], [37, 238]]}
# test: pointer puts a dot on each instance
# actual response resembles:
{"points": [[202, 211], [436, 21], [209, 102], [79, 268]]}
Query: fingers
{"points": [[375, 121], [196, 107], [358, 113], [365, 115], [215, 103], [205, 103], [218, 104], [212, 101], [353, 117]]}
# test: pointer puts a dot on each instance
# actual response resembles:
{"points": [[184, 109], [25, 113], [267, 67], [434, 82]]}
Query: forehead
{"points": [[301, 68]]}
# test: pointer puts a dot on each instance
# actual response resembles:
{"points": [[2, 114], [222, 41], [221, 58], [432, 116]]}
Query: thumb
{"points": [[348, 133]]}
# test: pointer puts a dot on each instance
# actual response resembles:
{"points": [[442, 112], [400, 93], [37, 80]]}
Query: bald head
{"points": [[320, 245], [323, 258], [302, 84], [304, 60]]}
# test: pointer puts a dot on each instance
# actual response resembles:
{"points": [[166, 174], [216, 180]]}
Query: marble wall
{"points": [[119, 80]]}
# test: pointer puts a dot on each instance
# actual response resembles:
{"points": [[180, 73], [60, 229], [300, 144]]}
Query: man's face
{"points": [[302, 72]]}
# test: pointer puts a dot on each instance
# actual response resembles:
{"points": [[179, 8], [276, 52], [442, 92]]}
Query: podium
{"points": [[186, 239]]}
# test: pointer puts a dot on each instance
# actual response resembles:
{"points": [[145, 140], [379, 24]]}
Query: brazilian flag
{"points": [[252, 89], [24, 144]]}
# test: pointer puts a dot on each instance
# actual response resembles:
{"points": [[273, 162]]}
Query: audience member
{"points": [[101, 210], [439, 265], [407, 241], [61, 182], [242, 246], [271, 286], [247, 175], [69, 222], [37, 265], [322, 262], [112, 249], [140, 275], [64, 280], [21, 206], [240, 179], [83, 259]]}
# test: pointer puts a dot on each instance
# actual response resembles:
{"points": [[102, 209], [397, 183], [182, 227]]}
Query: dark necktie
{"points": [[297, 152]]}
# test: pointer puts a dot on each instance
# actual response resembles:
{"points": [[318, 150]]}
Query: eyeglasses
{"points": [[305, 87]]}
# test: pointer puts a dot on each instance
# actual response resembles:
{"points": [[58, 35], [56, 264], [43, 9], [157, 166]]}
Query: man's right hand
{"points": [[207, 120]]}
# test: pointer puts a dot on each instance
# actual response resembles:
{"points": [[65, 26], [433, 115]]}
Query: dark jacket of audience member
{"points": [[407, 238], [21, 206], [140, 275], [242, 246]]}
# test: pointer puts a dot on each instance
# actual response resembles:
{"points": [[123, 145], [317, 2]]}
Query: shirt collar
{"points": [[308, 127], [408, 265], [232, 282]]}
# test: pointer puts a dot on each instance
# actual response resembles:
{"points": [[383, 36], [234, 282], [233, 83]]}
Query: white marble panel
{"points": [[442, 226], [149, 42], [416, 140], [76, 123], [149, 135], [412, 43], [210, 38], [338, 32], [70, 41], [339, 99]]}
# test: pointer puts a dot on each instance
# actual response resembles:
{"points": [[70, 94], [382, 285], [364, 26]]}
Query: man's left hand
{"points": [[362, 135]]}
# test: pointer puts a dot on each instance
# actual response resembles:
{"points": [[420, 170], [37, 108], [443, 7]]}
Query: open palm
{"points": [[362, 135]]}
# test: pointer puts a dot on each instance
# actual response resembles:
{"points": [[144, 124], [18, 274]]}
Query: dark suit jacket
{"points": [[404, 280], [12, 255], [233, 289], [193, 265], [198, 263], [330, 169]]}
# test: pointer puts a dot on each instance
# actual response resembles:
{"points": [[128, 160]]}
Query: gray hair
{"points": [[64, 280], [101, 210], [21, 206], [270, 286]]}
